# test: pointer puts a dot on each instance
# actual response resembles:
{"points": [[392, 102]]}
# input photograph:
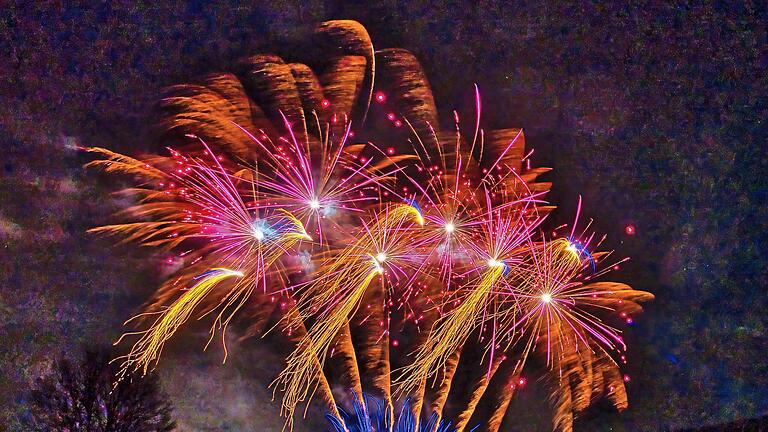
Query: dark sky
{"points": [[656, 114]]}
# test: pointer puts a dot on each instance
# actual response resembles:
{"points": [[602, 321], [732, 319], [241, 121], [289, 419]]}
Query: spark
{"points": [[209, 209], [146, 351], [336, 292]]}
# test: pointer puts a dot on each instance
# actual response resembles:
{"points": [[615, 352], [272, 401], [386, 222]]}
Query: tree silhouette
{"points": [[84, 397]]}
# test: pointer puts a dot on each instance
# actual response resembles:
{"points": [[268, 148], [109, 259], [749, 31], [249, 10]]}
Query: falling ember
{"points": [[148, 348]]}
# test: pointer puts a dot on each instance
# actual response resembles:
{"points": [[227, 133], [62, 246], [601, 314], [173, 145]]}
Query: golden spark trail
{"points": [[148, 348], [301, 363], [451, 332], [335, 296]]}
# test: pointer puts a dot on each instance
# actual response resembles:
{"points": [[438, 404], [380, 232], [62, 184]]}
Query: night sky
{"points": [[655, 114]]}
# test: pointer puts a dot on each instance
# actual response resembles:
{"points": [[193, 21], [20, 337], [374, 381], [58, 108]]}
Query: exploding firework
{"points": [[331, 209], [370, 415]]}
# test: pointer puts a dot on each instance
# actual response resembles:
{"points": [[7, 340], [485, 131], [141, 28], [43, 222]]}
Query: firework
{"points": [[371, 414], [204, 208], [315, 180], [336, 213], [500, 246]]}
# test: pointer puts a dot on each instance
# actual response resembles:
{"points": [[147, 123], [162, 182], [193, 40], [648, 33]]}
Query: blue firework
{"points": [[373, 416]]}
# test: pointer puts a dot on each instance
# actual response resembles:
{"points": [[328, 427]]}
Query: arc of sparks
{"points": [[336, 294], [146, 351]]}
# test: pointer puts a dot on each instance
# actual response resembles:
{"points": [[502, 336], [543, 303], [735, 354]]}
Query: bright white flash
{"points": [[314, 204], [546, 297], [449, 227], [494, 263]]}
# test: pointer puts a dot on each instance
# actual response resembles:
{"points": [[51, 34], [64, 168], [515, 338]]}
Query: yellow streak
{"points": [[336, 295], [300, 370], [570, 256], [403, 211], [148, 348], [299, 232], [450, 333]]}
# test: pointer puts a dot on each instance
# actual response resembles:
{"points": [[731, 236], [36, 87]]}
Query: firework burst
{"points": [[270, 203]]}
